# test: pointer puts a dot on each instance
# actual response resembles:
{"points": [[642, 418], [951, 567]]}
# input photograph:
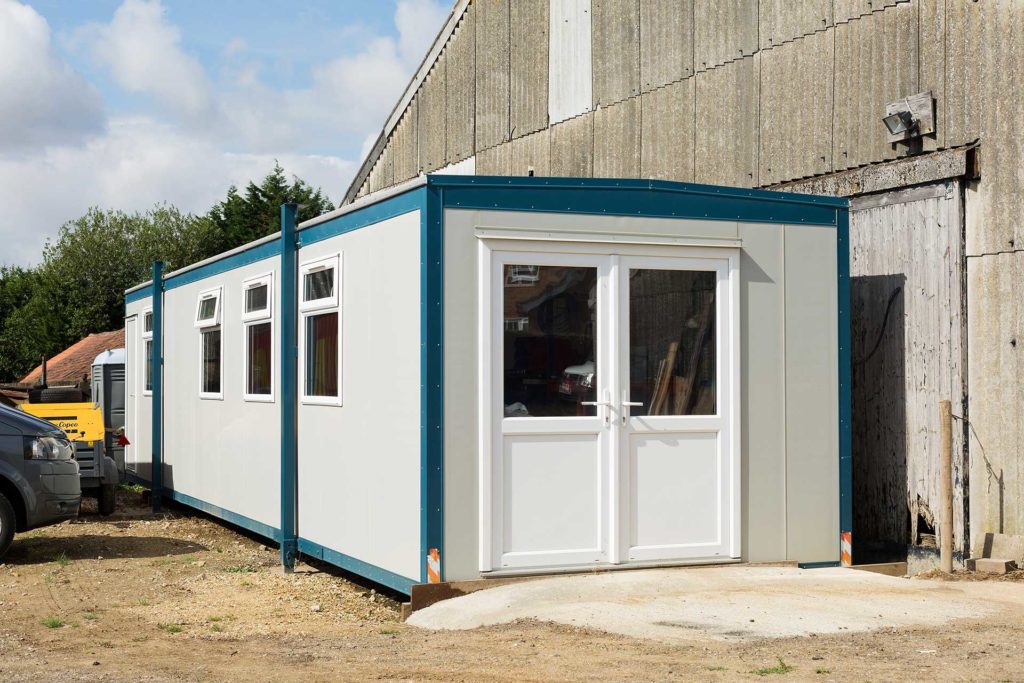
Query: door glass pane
{"points": [[322, 355], [550, 344], [211, 362], [258, 349], [672, 342]]}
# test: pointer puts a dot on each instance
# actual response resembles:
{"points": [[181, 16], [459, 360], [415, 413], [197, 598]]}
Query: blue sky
{"points": [[127, 103]]}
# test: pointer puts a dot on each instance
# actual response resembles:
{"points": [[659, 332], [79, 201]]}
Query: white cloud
{"points": [[350, 96], [144, 54], [206, 133], [43, 100], [139, 163], [418, 22], [234, 46]]}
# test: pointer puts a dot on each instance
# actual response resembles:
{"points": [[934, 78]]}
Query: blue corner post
{"points": [[289, 362], [158, 384], [845, 398], [432, 387]]}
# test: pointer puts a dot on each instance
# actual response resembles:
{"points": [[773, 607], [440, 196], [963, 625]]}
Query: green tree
{"points": [[26, 332], [79, 287], [98, 256], [243, 218]]}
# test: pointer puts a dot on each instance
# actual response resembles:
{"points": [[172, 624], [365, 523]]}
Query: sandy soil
{"points": [[182, 598]]}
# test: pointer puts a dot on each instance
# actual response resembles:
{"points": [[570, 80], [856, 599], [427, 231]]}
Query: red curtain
{"points": [[322, 355]]}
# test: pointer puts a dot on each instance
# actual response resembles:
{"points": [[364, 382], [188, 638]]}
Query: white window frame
{"points": [[333, 261], [217, 294], [250, 319], [147, 338], [307, 309], [147, 361], [259, 281], [216, 396]]}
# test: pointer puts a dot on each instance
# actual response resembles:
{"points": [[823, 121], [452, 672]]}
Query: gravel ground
{"points": [[182, 598]]}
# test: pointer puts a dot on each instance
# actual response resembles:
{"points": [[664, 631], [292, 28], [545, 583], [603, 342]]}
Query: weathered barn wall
{"points": [[908, 353], [755, 93]]}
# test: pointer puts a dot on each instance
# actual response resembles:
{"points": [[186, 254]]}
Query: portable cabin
{"points": [[465, 377], [108, 393]]}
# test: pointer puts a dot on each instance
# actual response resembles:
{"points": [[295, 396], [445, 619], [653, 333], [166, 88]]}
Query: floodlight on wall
{"points": [[910, 117], [900, 122]]}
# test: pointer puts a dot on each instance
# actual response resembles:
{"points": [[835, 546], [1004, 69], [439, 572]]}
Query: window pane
{"points": [[147, 322], [256, 298], [211, 362], [318, 285], [258, 348], [322, 355], [149, 364], [549, 340], [672, 342], [207, 307]]}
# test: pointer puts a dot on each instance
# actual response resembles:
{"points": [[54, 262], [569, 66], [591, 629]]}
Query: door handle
{"points": [[607, 405], [629, 404]]}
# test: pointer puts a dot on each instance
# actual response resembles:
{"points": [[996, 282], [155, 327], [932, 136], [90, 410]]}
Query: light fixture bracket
{"points": [[915, 112]]}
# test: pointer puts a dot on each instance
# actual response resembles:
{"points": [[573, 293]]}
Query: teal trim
{"points": [[288, 325], [251, 255], [264, 530], [360, 218], [157, 292], [650, 198], [818, 565], [138, 295], [717, 191], [845, 399], [374, 573], [431, 378]]}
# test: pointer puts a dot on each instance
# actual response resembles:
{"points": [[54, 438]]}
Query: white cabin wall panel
{"points": [[812, 388], [224, 452], [763, 391], [359, 463], [570, 60], [139, 413]]}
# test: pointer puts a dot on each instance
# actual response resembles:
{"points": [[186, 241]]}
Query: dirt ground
{"points": [[182, 598]]}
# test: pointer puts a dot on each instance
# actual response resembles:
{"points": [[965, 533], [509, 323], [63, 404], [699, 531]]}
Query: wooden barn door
{"points": [[908, 352]]}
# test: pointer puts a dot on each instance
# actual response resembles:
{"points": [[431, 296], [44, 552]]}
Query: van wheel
{"points": [[107, 499], [7, 522]]}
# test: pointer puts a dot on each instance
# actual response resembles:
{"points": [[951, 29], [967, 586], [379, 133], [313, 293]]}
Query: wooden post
{"points": [[946, 486]]}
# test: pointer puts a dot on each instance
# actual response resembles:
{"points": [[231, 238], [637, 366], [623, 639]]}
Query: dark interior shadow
{"points": [[881, 512], [36, 549]]}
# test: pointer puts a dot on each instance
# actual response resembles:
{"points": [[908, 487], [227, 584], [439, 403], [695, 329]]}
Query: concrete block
{"points": [[991, 565]]}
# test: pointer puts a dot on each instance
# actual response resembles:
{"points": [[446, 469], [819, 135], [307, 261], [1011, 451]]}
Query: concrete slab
{"points": [[724, 603], [991, 565]]}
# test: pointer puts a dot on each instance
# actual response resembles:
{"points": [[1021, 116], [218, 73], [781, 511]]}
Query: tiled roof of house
{"points": [[75, 362]]}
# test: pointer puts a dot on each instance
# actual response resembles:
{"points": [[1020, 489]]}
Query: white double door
{"points": [[613, 405]]}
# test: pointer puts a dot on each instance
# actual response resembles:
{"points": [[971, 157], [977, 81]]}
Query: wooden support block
{"points": [[991, 565]]}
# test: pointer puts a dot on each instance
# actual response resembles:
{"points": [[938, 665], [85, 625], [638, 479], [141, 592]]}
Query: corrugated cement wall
{"points": [[753, 93]]}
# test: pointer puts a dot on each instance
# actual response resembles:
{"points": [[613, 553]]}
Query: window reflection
{"points": [[549, 340], [672, 342]]}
